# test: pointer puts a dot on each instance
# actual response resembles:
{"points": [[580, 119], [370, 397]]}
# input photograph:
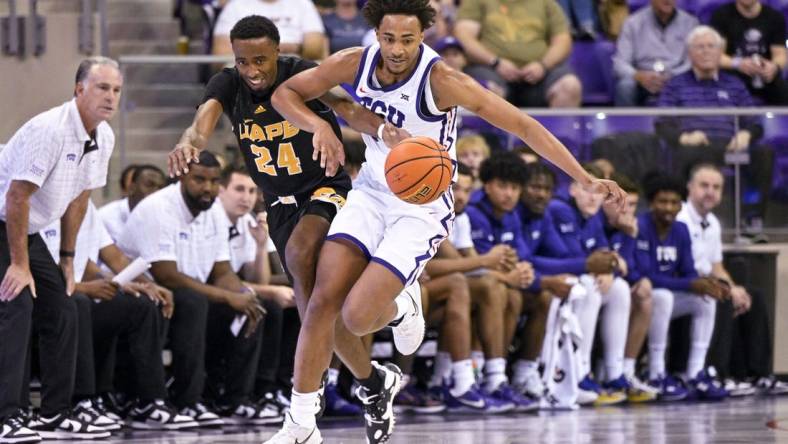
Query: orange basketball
{"points": [[418, 170]]}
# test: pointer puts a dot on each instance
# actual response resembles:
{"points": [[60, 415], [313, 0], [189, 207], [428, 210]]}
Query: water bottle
{"points": [[757, 81]]}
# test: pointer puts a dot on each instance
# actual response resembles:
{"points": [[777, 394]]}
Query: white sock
{"points": [[523, 368], [614, 325], [463, 376], [696, 360], [441, 371], [333, 376], [587, 312], [304, 407], [494, 374], [629, 367], [662, 308]]}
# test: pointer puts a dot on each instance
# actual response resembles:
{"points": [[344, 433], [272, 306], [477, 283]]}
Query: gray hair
{"points": [[701, 30], [86, 65]]}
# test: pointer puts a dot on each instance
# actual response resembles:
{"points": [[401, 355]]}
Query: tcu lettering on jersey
{"points": [[390, 113], [667, 254]]}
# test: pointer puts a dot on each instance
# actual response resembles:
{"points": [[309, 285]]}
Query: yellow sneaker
{"points": [[639, 391], [610, 398]]}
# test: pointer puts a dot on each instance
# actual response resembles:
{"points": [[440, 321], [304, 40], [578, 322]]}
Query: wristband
{"points": [[66, 253], [380, 130]]}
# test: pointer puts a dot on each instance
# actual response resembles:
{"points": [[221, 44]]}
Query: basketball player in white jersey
{"points": [[378, 243]]}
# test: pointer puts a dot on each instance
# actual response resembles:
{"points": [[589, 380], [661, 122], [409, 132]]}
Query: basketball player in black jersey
{"points": [[301, 196]]}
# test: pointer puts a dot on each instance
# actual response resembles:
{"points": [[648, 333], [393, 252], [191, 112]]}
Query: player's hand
{"points": [[602, 262], [558, 285], [67, 268], [283, 295], [740, 141], [392, 135], [526, 274], [623, 268], [533, 72], [162, 296], [741, 300], [100, 289], [613, 193], [627, 224], [328, 148], [508, 70], [260, 231], [135, 289], [15, 280], [179, 158], [706, 286], [694, 138], [247, 304], [604, 282], [500, 257]]}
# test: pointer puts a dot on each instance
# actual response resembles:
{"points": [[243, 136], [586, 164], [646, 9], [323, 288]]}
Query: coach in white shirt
{"points": [[46, 173], [145, 180], [185, 240], [744, 319]]}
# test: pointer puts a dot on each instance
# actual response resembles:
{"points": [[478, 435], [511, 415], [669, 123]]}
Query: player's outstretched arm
{"points": [[194, 138], [453, 88], [290, 99]]}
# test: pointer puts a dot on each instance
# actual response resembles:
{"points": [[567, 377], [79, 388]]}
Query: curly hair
{"points": [[375, 10], [656, 181], [504, 166], [254, 27]]}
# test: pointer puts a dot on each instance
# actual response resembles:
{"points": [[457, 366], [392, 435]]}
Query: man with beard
{"points": [[663, 253], [185, 241]]}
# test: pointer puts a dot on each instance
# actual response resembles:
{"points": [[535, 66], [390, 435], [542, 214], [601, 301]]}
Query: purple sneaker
{"points": [[706, 387], [507, 394], [474, 401], [412, 399], [337, 405], [669, 388]]}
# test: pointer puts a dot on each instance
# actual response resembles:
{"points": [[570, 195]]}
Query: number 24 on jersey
{"points": [[285, 159]]}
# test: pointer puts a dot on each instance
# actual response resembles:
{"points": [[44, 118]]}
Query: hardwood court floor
{"points": [[750, 420]]}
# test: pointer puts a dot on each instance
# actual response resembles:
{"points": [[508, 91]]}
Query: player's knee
{"points": [[459, 289], [543, 301], [301, 254], [707, 307], [662, 301], [357, 323], [514, 301]]}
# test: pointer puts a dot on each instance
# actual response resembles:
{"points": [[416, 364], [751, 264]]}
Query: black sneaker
{"points": [[250, 414], [85, 411], [378, 407], [13, 430], [271, 400], [157, 415], [321, 394], [203, 416], [65, 426]]}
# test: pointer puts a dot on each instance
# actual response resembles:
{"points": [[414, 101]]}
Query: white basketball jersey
{"points": [[407, 104]]}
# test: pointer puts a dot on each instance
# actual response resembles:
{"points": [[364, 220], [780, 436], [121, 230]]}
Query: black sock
{"points": [[373, 383]]}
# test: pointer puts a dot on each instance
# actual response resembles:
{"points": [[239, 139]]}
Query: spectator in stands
{"points": [[754, 34], [345, 27], [663, 253], [471, 152], [450, 49], [47, 171], [178, 232], [300, 27], [145, 180], [741, 350], [650, 50], [605, 167], [583, 17], [708, 138], [522, 45]]}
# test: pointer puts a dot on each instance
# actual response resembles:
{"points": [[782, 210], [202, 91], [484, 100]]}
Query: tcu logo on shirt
{"points": [[71, 157], [507, 237], [667, 254], [183, 236], [590, 243], [50, 233], [566, 228], [535, 234], [393, 115]]}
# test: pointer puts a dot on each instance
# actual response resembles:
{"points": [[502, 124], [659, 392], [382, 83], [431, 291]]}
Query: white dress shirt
{"points": [[706, 235]]}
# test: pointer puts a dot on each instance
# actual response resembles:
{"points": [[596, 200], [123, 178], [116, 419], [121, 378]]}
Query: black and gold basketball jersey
{"points": [[277, 154]]}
